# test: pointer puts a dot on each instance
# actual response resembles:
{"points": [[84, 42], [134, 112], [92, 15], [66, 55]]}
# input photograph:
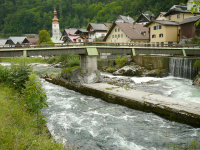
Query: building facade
{"points": [[125, 33]]}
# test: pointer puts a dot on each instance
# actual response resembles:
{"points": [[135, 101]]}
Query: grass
{"points": [[17, 128], [30, 60]]}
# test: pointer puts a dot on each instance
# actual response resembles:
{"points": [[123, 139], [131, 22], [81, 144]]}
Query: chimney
{"points": [[96, 22]]}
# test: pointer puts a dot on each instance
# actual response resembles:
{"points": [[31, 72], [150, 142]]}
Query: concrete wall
{"points": [[152, 62]]}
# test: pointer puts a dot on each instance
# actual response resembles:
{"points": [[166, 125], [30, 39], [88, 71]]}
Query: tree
{"points": [[44, 37], [195, 8]]}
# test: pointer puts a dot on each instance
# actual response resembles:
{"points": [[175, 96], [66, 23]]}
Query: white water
{"points": [[86, 122]]}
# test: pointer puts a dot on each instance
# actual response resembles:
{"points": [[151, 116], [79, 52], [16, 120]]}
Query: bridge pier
{"points": [[88, 64]]}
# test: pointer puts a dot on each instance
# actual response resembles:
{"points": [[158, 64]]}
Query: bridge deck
{"points": [[82, 50]]}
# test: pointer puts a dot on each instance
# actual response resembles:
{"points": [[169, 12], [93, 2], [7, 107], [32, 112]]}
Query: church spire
{"points": [[55, 19]]}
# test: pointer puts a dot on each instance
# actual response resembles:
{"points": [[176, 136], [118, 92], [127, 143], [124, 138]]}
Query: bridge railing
{"points": [[96, 44]]}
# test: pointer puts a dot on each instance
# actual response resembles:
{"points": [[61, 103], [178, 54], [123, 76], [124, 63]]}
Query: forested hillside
{"points": [[29, 16]]}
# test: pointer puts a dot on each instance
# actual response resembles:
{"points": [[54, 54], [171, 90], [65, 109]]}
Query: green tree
{"points": [[195, 8], [44, 37]]}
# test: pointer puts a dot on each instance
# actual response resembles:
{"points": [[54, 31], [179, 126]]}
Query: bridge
{"points": [[88, 54]]}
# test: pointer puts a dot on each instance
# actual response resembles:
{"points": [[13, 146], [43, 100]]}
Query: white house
{"points": [[96, 30]]}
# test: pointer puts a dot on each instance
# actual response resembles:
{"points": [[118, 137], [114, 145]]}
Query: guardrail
{"points": [[97, 44]]}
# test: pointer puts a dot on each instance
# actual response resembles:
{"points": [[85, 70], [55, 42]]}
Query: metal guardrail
{"points": [[97, 44]]}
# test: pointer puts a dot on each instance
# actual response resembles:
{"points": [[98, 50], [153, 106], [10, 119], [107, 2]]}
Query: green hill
{"points": [[30, 16]]}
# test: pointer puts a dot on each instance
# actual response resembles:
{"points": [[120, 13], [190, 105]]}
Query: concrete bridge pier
{"points": [[88, 64]]}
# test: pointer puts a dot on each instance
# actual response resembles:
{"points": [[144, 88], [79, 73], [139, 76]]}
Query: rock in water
{"points": [[77, 77], [196, 80]]}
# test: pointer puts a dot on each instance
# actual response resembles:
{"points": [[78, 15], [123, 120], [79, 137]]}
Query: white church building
{"points": [[56, 34]]}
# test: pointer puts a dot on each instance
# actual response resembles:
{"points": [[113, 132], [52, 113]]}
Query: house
{"points": [[161, 16], [124, 19], [145, 18], [3, 43], [168, 31], [189, 28], [30, 41], [17, 41], [163, 32], [96, 30], [76, 39], [82, 32], [127, 33], [67, 32], [178, 13]]}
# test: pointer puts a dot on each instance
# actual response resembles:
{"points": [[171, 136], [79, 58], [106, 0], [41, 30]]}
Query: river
{"points": [[84, 122]]}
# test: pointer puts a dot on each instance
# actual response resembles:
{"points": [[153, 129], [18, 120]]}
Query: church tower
{"points": [[55, 27]]}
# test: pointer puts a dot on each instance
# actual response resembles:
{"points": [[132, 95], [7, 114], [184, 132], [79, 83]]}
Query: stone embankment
{"points": [[167, 107]]}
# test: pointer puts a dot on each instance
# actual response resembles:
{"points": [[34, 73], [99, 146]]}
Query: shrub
{"points": [[51, 60], [121, 61], [4, 74], [73, 60], [68, 70], [19, 72], [197, 64], [35, 98]]}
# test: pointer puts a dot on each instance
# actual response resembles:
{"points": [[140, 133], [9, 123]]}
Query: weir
{"points": [[183, 67]]}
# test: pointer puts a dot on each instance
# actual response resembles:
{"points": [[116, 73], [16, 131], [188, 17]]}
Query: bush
{"points": [[50, 60], [4, 74], [19, 72], [35, 99], [73, 60], [69, 60], [197, 64], [121, 61], [68, 70]]}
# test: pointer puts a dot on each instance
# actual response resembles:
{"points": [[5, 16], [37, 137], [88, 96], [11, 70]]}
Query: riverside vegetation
{"points": [[21, 99]]}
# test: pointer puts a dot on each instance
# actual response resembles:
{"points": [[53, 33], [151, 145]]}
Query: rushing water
{"points": [[86, 122], [183, 67]]}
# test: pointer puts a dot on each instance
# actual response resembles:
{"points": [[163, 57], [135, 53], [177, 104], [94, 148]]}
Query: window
{"points": [[178, 16], [115, 30], [79, 40], [157, 27], [121, 35], [170, 17], [54, 25], [54, 30], [118, 29], [118, 35], [112, 36], [115, 36], [153, 36], [160, 35]]}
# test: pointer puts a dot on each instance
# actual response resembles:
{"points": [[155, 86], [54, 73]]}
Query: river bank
{"points": [[17, 125]]}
